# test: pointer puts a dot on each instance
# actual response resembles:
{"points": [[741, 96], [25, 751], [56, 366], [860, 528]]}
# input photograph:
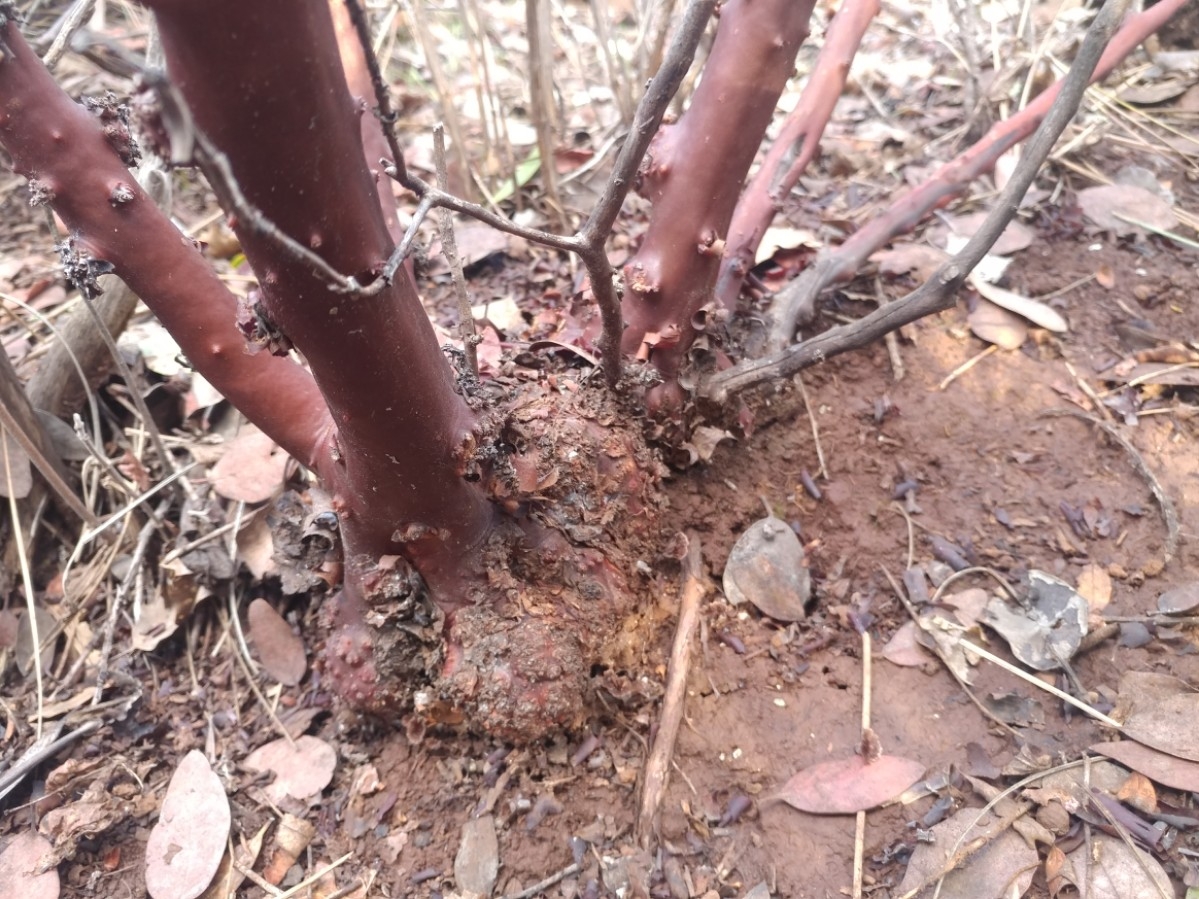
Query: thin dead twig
{"points": [[940, 654], [658, 764], [803, 392], [449, 246], [938, 293], [859, 836], [541, 885], [588, 242]]}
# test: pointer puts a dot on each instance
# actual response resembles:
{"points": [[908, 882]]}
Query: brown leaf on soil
{"points": [[904, 648], [1095, 586], [280, 651], [17, 480], [1162, 713], [845, 786], [186, 845], [301, 770], [255, 546], [1003, 867], [996, 325], [251, 470], [1139, 793], [920, 260], [1102, 204], [1161, 767], [1180, 599], [18, 861], [25, 643], [1109, 868], [1015, 237]]}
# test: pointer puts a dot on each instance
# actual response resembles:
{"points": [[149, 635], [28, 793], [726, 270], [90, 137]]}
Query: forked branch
{"points": [[588, 241], [796, 303], [939, 292]]}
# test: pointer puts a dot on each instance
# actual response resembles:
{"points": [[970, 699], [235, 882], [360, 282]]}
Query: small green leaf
{"points": [[525, 170]]}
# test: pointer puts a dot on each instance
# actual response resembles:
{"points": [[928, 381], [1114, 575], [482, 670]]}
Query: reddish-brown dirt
{"points": [[763, 700], [793, 698]]}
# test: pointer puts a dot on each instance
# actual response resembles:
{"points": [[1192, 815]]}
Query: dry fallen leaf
{"points": [[1161, 767], [251, 469], [1095, 586], [19, 473], [1180, 599], [1107, 868], [18, 861], [301, 770], [997, 325], [1164, 713], [1103, 204], [186, 845], [1001, 869], [904, 648], [766, 567], [1015, 237], [1035, 311], [919, 259], [845, 786], [280, 651]]}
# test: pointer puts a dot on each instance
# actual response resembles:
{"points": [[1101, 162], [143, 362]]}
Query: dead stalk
{"points": [[657, 765]]}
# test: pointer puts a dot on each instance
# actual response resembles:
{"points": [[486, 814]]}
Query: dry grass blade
{"points": [[658, 763], [26, 579]]}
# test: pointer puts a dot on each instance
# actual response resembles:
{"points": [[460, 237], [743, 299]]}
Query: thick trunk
{"points": [[264, 82], [695, 171]]}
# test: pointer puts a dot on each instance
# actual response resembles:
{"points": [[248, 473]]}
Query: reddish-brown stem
{"points": [[797, 302], [938, 293], [796, 146], [374, 142], [287, 125], [63, 152], [695, 171]]}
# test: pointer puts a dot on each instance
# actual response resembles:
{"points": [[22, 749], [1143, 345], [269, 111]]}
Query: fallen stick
{"points": [[657, 766]]}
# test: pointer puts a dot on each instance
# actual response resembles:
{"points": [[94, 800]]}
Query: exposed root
{"points": [[510, 638]]}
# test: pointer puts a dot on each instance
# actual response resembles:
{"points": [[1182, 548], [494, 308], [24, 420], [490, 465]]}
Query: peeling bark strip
{"points": [[62, 150], [796, 146], [695, 171], [265, 83], [796, 303]]}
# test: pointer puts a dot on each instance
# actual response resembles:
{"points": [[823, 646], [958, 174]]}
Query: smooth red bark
{"points": [[265, 82], [797, 144], [695, 172], [61, 149]]}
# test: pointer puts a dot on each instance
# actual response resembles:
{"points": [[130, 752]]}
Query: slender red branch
{"points": [[374, 142], [797, 302], [796, 146], [287, 125], [695, 172], [62, 150]]}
